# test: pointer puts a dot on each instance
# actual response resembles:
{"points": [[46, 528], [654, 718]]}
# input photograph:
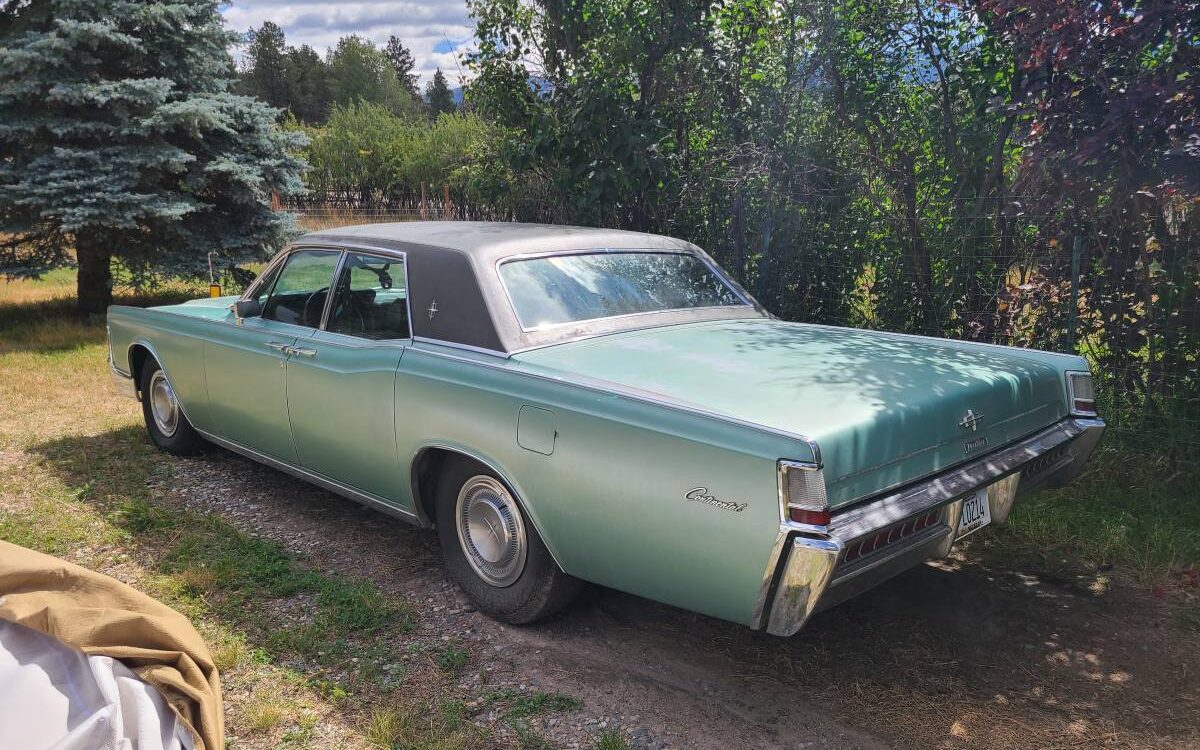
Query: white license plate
{"points": [[976, 513]]}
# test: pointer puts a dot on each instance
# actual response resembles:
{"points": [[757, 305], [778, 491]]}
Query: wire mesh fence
{"points": [[987, 271]]}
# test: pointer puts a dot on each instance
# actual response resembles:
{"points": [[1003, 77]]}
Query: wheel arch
{"points": [[137, 355], [427, 467]]}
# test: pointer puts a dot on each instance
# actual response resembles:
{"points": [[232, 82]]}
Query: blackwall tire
{"points": [[492, 550]]}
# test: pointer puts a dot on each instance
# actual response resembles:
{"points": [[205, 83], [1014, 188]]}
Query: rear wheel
{"points": [[168, 427], [493, 552]]}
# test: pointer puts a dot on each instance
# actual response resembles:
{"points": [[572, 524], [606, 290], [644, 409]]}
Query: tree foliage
{"points": [[893, 163], [403, 63], [438, 96], [119, 138]]}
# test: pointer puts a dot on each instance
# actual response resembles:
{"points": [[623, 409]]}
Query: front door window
{"points": [[302, 288]]}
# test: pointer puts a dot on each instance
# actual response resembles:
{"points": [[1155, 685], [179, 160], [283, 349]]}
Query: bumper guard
{"points": [[813, 571]]}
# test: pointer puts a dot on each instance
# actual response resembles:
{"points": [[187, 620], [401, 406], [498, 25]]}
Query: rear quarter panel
{"points": [[610, 500]]}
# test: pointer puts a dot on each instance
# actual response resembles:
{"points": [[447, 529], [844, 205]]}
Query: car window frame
{"points": [[286, 257], [390, 255], [716, 271]]}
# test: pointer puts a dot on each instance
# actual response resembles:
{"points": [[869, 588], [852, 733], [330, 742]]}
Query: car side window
{"points": [[302, 287], [264, 284], [370, 299]]}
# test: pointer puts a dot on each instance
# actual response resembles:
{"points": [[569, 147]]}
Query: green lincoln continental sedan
{"points": [[569, 405]]}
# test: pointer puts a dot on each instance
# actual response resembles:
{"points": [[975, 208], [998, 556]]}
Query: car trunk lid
{"points": [[885, 409]]}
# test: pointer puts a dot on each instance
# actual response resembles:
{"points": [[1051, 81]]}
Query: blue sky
{"points": [[437, 31]]}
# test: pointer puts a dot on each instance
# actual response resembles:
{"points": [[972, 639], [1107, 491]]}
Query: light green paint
{"points": [[632, 422]]}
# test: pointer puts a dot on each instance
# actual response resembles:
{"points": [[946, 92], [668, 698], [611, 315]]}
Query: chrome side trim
{"points": [[610, 388], [365, 498], [464, 347]]}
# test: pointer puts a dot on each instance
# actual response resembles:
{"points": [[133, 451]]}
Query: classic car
{"points": [[566, 405]]}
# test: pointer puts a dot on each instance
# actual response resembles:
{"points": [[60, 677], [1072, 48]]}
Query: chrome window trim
{"points": [[616, 332], [332, 279], [464, 347], [714, 269]]}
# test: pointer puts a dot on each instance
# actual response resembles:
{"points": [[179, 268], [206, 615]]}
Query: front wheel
{"points": [[168, 427], [493, 552]]}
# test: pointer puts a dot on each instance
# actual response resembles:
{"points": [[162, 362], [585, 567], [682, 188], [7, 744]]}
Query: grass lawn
{"points": [[78, 479]]}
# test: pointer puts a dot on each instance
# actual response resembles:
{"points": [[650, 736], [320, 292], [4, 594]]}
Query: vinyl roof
{"points": [[451, 270], [501, 239]]}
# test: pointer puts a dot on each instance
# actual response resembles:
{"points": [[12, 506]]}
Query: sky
{"points": [[437, 31]]}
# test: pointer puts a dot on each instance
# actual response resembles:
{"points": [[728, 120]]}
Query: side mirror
{"points": [[247, 308]]}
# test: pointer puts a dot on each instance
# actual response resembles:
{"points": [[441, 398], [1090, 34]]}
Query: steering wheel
{"points": [[308, 303]]}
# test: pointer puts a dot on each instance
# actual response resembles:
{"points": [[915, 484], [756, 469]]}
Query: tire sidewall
{"points": [[509, 603], [185, 440]]}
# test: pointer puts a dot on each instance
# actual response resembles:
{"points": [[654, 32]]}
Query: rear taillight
{"points": [[802, 493], [810, 517], [1081, 392]]}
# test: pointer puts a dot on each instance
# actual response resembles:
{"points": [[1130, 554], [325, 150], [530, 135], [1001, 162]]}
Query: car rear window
{"points": [[570, 288]]}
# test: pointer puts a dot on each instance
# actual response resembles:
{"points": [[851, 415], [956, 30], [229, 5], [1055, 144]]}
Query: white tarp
{"points": [[53, 697]]}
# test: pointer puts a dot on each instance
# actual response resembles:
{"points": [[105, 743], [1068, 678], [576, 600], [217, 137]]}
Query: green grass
{"points": [[611, 740], [1133, 511], [452, 659]]}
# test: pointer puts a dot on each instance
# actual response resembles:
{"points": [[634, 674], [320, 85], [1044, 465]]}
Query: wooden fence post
{"points": [[424, 203], [446, 212]]}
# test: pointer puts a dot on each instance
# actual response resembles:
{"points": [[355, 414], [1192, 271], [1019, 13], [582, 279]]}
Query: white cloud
{"points": [[423, 25]]}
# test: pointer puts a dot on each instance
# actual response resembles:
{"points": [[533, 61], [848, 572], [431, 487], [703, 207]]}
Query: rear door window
{"points": [[370, 300]]}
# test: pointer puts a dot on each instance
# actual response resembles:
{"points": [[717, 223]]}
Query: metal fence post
{"points": [[1073, 312]]}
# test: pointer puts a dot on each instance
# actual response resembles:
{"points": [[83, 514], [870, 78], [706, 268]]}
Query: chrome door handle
{"points": [[301, 352], [277, 346]]}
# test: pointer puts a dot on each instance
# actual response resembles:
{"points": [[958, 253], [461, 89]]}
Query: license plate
{"points": [[976, 513]]}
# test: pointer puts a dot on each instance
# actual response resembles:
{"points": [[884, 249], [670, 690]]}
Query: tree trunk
{"points": [[94, 283]]}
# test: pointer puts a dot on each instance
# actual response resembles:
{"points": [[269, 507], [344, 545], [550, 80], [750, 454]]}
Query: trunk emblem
{"points": [[971, 421]]}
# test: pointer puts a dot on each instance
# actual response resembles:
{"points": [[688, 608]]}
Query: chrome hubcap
{"points": [[163, 405], [491, 530]]}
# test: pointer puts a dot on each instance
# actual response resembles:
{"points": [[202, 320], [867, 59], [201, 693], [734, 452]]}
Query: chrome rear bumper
{"points": [[904, 528]]}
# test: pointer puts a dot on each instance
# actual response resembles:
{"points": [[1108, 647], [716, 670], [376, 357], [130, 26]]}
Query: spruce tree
{"points": [[403, 63], [120, 139], [438, 95]]}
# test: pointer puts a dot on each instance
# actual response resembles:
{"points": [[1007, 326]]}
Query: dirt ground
{"points": [[962, 654]]}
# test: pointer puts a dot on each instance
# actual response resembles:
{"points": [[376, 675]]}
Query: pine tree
{"points": [[266, 66], [438, 95], [403, 63], [120, 139]]}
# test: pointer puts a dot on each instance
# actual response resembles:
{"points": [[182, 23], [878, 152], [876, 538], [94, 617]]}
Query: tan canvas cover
{"points": [[102, 616]]}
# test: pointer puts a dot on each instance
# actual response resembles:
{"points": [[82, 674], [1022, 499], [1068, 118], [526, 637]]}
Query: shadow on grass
{"points": [[55, 325], [207, 568]]}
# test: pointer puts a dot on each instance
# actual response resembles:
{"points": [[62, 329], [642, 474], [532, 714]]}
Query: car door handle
{"points": [[277, 346], [301, 352]]}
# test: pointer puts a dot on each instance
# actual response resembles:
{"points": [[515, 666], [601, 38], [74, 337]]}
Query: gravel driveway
{"points": [[961, 654]]}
